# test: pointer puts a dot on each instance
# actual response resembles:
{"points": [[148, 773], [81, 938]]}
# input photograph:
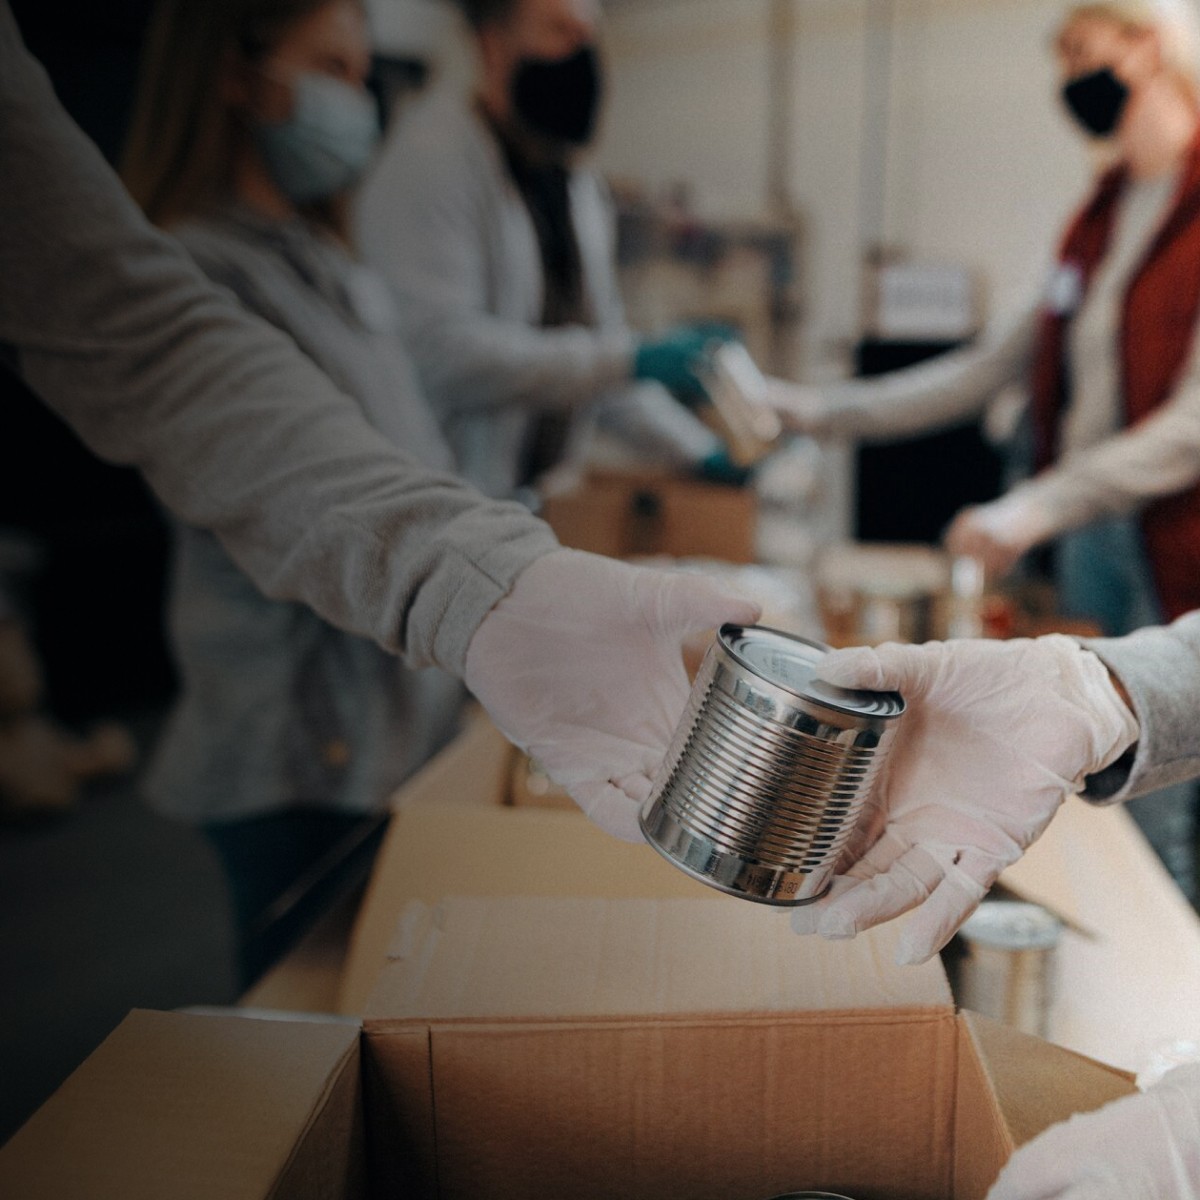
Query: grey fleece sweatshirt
{"points": [[121, 335], [1160, 669]]}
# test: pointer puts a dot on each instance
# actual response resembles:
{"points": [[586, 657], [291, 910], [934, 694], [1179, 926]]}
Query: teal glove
{"points": [[674, 360], [718, 467]]}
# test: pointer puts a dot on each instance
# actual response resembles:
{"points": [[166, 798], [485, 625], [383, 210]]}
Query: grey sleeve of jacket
{"points": [[424, 219], [1160, 669], [935, 394], [117, 331]]}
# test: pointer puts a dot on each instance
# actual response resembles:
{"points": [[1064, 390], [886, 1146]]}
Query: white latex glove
{"points": [[999, 533], [996, 735], [581, 666], [1144, 1147]]}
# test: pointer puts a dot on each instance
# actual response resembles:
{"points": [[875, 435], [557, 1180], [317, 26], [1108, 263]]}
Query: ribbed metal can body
{"points": [[811, 1196], [769, 769]]}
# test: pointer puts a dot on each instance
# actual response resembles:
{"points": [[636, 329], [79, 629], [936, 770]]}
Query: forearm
{"points": [[1157, 457], [647, 417], [120, 334], [943, 392], [470, 360], [1159, 670]]}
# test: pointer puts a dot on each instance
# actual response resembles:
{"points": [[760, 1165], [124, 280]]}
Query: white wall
{"points": [[981, 167], [978, 166]]}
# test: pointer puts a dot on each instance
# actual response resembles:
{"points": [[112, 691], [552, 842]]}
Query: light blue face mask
{"points": [[326, 143]]}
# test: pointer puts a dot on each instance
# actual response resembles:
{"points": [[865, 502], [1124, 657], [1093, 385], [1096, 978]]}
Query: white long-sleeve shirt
{"points": [[442, 218], [1104, 470]]}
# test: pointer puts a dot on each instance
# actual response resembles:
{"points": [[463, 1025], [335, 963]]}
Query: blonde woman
{"points": [[1109, 356], [251, 124]]}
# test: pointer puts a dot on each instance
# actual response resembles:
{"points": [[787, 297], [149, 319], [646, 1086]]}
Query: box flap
{"points": [[1037, 1084], [435, 850], [1121, 995], [523, 957], [175, 1106]]}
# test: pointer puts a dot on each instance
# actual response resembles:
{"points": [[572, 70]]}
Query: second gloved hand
{"points": [[996, 735], [999, 533], [1143, 1147], [675, 360], [581, 666]]}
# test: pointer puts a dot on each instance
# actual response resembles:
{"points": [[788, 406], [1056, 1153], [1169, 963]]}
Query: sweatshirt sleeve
{"points": [[932, 395], [1158, 456], [426, 219], [1160, 670], [120, 334]]}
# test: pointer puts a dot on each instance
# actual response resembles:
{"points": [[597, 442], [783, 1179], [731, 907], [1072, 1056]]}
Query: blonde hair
{"points": [[179, 155], [1175, 21]]}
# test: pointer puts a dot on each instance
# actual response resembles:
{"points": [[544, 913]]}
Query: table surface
{"points": [[1130, 986]]}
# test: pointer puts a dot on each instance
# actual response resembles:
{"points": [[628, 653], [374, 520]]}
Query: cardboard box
{"points": [[454, 832], [436, 850], [1127, 971], [678, 1050], [180, 1107], [631, 513], [687, 1051]]}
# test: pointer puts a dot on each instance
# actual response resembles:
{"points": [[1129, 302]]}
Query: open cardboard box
{"points": [[597, 1049]]}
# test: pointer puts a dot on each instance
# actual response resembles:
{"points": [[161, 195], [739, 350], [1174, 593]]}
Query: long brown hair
{"points": [[182, 140]]}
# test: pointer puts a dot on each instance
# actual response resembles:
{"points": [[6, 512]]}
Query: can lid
{"points": [[791, 662], [1012, 925]]}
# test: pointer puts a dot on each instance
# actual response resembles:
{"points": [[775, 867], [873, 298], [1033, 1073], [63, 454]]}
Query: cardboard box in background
{"points": [[686, 1051], [631, 513], [602, 1050]]}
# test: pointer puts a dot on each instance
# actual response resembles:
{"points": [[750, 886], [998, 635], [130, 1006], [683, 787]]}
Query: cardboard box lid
{"points": [[474, 959], [434, 850], [1129, 990], [1036, 1084], [175, 1107]]}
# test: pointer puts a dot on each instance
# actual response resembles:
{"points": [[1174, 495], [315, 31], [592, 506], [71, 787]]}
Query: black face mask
{"points": [[559, 98], [1096, 101]]}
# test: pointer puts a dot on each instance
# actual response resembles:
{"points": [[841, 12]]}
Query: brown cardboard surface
{"points": [[1010, 1088], [1036, 1084], [672, 1048], [471, 958], [434, 850], [1125, 993], [695, 1110], [176, 1107], [636, 512]]}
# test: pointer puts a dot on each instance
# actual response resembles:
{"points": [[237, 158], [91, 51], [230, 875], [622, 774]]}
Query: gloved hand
{"points": [[999, 533], [675, 360], [801, 408], [1144, 1147], [718, 467], [996, 735], [581, 666]]}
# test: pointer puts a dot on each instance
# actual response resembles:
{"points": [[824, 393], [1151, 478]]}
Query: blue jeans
{"points": [[1104, 575]]}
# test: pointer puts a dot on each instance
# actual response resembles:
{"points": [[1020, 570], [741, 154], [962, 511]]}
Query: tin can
{"points": [[740, 411], [768, 770], [1007, 973], [812, 1196]]}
